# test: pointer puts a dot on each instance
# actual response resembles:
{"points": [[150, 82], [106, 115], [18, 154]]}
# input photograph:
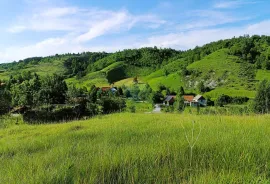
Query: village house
{"points": [[105, 89], [199, 100], [169, 100], [189, 100]]}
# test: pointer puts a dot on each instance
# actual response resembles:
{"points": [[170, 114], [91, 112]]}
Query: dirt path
{"points": [[157, 109]]}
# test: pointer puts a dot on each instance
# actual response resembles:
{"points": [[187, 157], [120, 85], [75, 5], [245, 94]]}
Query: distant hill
{"points": [[233, 67]]}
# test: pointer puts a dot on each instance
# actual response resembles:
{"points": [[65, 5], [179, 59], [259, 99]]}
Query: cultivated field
{"points": [[138, 148]]}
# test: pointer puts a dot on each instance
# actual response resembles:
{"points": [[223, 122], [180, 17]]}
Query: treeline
{"points": [[250, 49], [78, 65]]}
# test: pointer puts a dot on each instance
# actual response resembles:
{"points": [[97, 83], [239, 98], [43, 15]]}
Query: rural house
{"points": [[192, 101], [199, 100], [105, 89], [188, 99], [169, 100]]}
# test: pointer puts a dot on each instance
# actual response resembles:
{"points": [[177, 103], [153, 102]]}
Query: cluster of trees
{"points": [[261, 102], [78, 65], [51, 97], [253, 49], [226, 99], [144, 57], [134, 92]]}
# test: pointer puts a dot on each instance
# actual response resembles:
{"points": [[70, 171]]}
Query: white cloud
{"points": [[191, 39], [89, 22], [79, 27], [233, 3], [177, 40], [113, 22], [118, 21], [208, 18]]}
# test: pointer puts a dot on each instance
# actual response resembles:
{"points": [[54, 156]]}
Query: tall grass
{"points": [[138, 148]]}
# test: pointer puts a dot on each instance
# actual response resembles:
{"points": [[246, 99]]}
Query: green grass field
{"points": [[43, 69], [138, 148]]}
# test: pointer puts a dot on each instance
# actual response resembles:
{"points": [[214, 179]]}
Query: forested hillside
{"points": [[232, 67]]}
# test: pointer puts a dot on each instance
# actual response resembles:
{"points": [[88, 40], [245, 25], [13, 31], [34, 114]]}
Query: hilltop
{"points": [[233, 67]]}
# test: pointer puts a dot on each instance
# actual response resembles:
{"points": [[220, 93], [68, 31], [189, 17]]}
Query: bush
{"points": [[225, 99], [132, 109], [110, 104], [66, 113], [93, 109], [168, 108]]}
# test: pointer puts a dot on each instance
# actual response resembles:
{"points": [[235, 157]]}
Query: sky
{"points": [[30, 28]]}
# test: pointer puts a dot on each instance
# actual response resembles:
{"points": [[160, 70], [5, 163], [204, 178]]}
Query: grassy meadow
{"points": [[137, 148]]}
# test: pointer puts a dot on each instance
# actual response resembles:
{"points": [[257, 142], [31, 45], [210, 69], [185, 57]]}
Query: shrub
{"points": [[110, 104], [225, 99], [132, 109], [58, 114]]}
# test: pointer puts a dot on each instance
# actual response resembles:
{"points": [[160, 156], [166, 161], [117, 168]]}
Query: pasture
{"points": [[138, 148]]}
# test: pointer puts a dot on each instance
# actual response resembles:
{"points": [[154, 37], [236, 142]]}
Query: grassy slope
{"points": [[262, 74], [43, 69], [219, 66], [97, 78], [146, 148]]}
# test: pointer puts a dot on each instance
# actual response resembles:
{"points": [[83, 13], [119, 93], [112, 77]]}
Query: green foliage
{"points": [[222, 100], [57, 114], [262, 99], [222, 65], [93, 109], [132, 108], [157, 97], [180, 103], [78, 65], [53, 90], [225, 99], [5, 101], [110, 104], [135, 91], [145, 93], [200, 87], [92, 95], [247, 71], [181, 91]]}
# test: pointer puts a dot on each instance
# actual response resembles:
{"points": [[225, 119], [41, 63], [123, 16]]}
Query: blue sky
{"points": [[45, 27]]}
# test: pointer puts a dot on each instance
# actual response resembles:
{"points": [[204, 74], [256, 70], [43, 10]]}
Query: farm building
{"points": [[169, 100], [199, 100], [192, 101], [188, 99], [104, 89]]}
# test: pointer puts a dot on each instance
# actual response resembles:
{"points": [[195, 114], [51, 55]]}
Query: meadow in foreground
{"points": [[138, 148]]}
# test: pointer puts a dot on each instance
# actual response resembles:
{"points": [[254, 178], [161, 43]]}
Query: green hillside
{"points": [[42, 68], [220, 71], [232, 67]]}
